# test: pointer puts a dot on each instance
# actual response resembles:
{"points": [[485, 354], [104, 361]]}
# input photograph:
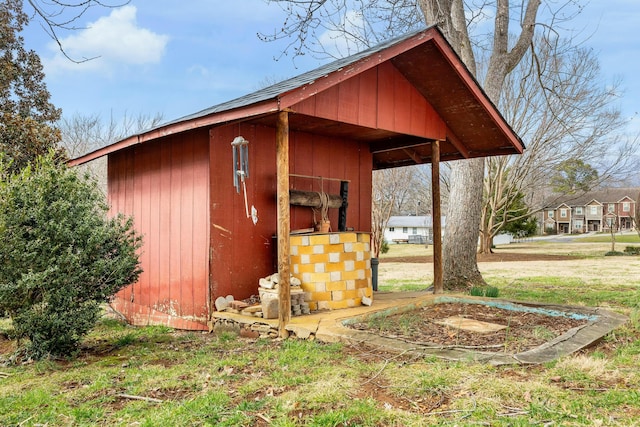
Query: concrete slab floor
{"points": [[329, 326]]}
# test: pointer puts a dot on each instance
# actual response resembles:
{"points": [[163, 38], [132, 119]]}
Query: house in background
{"points": [[410, 229], [206, 235], [595, 211]]}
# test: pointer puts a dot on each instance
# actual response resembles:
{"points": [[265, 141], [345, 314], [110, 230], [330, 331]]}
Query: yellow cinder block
{"points": [[352, 275], [364, 237], [363, 283], [305, 250], [350, 294], [319, 258], [319, 239], [313, 306], [358, 247], [337, 305], [334, 248], [321, 296], [335, 267], [295, 240], [348, 237], [319, 277], [308, 287], [348, 256], [360, 265], [336, 286], [305, 268]]}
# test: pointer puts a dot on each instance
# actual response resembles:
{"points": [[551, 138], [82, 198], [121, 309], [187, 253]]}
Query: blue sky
{"points": [[178, 57]]}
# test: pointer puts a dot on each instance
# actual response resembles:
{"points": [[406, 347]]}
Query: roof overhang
{"points": [[475, 127]]}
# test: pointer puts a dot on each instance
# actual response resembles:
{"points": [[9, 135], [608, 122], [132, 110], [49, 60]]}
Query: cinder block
{"points": [[305, 259], [349, 265], [362, 283], [334, 238], [321, 287], [323, 305], [305, 268], [348, 256], [316, 258], [335, 267], [319, 267], [337, 295], [318, 249], [352, 303], [335, 276], [364, 237], [336, 305], [293, 250], [348, 247], [295, 240], [350, 285], [321, 296], [334, 257], [348, 237], [360, 256], [319, 239], [350, 294], [336, 286]]}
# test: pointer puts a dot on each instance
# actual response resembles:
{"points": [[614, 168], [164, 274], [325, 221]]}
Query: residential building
{"points": [[410, 229], [595, 211]]}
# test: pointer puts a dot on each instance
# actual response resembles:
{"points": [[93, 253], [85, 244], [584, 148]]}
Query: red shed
{"points": [[383, 107]]}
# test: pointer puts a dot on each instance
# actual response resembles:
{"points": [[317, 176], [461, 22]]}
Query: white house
{"points": [[410, 229]]}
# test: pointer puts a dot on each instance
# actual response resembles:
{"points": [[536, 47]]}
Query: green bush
{"points": [[482, 291], [614, 253], [632, 250], [384, 247], [61, 256]]}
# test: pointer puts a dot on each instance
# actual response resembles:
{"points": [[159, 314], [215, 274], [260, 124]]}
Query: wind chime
{"points": [[240, 149]]}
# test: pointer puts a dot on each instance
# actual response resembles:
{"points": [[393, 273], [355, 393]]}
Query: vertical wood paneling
{"points": [[385, 102], [368, 96], [157, 184], [326, 103], [186, 227], [348, 100], [402, 107]]}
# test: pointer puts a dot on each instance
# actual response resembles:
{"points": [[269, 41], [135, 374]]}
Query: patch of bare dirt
{"points": [[494, 257], [524, 331]]}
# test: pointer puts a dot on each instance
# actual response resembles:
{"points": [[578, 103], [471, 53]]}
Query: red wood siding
{"points": [[241, 252], [164, 186], [378, 98]]}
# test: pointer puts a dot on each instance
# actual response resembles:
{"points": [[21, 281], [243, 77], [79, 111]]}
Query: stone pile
{"points": [[247, 308], [268, 291]]}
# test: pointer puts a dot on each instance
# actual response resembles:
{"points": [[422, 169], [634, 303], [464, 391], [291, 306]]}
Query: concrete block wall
{"points": [[334, 268]]}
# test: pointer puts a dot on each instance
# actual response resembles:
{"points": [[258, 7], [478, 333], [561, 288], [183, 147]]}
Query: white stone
{"points": [[221, 303], [334, 239], [295, 281], [349, 265], [265, 283], [275, 278], [230, 298], [367, 301], [359, 256], [334, 257], [319, 267], [318, 249], [348, 247], [305, 259]]}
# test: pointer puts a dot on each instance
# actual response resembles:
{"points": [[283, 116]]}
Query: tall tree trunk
{"points": [[464, 210]]}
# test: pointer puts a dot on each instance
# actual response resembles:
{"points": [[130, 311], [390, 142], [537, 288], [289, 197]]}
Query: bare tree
{"points": [[556, 101], [364, 22], [82, 134], [388, 184], [57, 16]]}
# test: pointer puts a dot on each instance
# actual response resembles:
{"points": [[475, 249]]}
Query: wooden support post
{"points": [[284, 222], [438, 287]]}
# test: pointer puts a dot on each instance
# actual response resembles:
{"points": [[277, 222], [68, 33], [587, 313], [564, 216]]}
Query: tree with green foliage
{"points": [[27, 117], [61, 256], [573, 176]]}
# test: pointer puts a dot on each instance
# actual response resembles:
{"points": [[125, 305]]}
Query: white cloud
{"points": [[342, 41], [113, 40]]}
